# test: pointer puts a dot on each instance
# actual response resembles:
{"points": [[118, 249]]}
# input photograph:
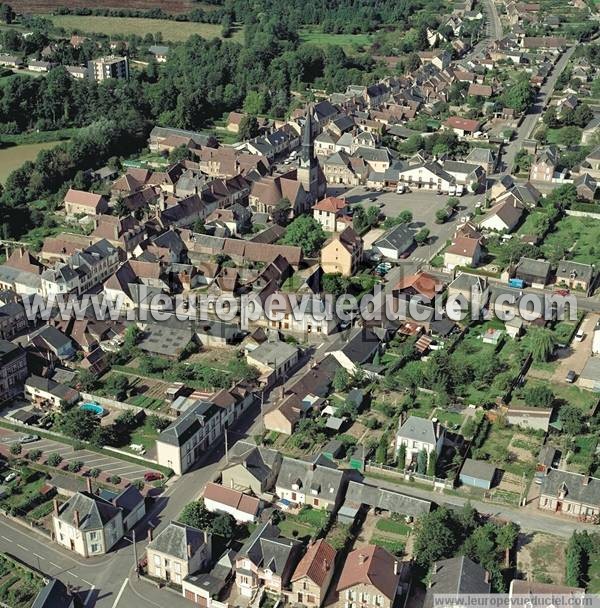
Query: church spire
{"points": [[307, 137]]}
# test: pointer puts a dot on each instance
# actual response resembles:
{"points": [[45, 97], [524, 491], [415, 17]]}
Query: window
{"points": [[176, 567], [157, 560], [95, 548]]}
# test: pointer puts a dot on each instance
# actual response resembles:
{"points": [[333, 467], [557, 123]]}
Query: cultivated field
{"points": [[168, 6], [175, 31]]}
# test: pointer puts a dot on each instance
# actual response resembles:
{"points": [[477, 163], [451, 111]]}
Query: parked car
{"points": [[561, 292], [570, 377], [400, 189], [29, 438], [10, 477], [579, 335], [152, 476]]}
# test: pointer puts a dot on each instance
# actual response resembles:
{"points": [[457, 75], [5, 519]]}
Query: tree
{"points": [[405, 217], [550, 118], [34, 455], [432, 464], [118, 385], [435, 537], [452, 203], [254, 103], [305, 232], [519, 94], [401, 457], [341, 380], [75, 466], [78, 423], [335, 284], [223, 525], [248, 128], [372, 215], [196, 515], [382, 447], [441, 215], [539, 395], [54, 459], [7, 14], [86, 380], [422, 236], [540, 343], [15, 449], [422, 462], [572, 419], [506, 538], [199, 226], [115, 480], [95, 473], [569, 136], [359, 218]]}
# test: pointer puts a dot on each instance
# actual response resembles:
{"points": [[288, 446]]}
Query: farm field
{"points": [[168, 6], [174, 31], [13, 157]]}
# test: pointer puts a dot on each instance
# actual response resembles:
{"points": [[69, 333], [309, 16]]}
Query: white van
{"points": [[400, 189]]}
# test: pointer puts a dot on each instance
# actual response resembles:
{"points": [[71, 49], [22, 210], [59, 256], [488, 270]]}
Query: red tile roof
{"points": [[231, 498], [465, 124], [316, 563], [331, 204]]}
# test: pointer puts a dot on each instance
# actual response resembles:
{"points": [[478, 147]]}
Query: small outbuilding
{"points": [[478, 474]]}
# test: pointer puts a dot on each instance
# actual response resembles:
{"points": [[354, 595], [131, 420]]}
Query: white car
{"points": [[400, 189], [579, 335], [10, 477]]}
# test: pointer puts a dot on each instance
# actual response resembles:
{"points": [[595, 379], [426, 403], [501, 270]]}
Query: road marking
{"points": [[38, 556], [120, 593], [87, 582], [8, 539], [53, 564], [22, 547], [88, 596]]}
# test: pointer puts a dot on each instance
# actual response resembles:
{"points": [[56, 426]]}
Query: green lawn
{"points": [[393, 526], [303, 525], [395, 547], [555, 136], [145, 435], [570, 394], [579, 236], [349, 42], [174, 31], [594, 568]]}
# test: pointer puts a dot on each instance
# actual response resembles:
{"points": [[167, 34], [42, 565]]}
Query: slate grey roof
{"points": [[399, 238], [418, 429], [387, 500], [535, 268], [579, 488], [50, 386], [266, 549], [258, 461], [465, 281], [456, 575], [272, 353], [94, 512], [319, 478], [591, 370], [478, 469], [176, 537], [358, 344], [53, 595], [128, 499], [582, 272], [182, 429], [373, 154], [481, 155]]}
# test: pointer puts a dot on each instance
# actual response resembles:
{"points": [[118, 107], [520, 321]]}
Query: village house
{"points": [[396, 242], [586, 187], [274, 359], [333, 214], [251, 468], [537, 418], [533, 272], [318, 483], [13, 369], [502, 217], [544, 164], [573, 275], [463, 251], [84, 203], [177, 551], [220, 499], [369, 578], [48, 394], [341, 168], [419, 434], [265, 560], [13, 320], [342, 253], [462, 126], [87, 524], [570, 494], [313, 574], [428, 175]]}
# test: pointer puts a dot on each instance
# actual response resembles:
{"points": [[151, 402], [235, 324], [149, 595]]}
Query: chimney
{"points": [[189, 550], [76, 518], [206, 538], [149, 535], [55, 504], [362, 558], [395, 567], [88, 482], [487, 577], [586, 480]]}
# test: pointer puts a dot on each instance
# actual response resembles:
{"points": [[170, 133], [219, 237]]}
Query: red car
{"points": [[152, 476], [561, 292]]}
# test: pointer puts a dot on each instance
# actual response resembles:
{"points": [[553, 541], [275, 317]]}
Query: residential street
{"points": [[526, 128], [530, 521]]}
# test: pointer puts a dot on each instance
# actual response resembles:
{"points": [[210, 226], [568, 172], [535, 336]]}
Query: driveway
{"points": [[110, 465], [578, 352]]}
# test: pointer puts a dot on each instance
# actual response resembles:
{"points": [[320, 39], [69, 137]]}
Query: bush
{"points": [[34, 455], [54, 459], [75, 466], [115, 479], [16, 449], [95, 472]]}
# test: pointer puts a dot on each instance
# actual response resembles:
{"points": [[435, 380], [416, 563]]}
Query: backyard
{"points": [[578, 236], [303, 525], [18, 585]]}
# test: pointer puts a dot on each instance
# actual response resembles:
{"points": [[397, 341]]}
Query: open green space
{"points": [[303, 525], [174, 31], [349, 42], [579, 236], [394, 526]]}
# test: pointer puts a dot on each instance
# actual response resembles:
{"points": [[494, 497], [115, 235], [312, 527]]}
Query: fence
{"points": [[121, 405], [436, 482]]}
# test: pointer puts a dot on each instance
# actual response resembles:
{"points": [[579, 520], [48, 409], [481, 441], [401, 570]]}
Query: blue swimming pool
{"points": [[95, 408]]}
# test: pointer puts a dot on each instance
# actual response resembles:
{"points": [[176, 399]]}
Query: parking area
{"points": [[108, 465], [576, 355], [423, 204]]}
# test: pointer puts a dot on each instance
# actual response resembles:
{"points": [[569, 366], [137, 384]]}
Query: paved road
{"points": [[493, 30], [526, 128], [530, 521]]}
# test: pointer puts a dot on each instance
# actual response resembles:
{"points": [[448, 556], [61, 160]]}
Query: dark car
{"points": [[152, 476]]}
